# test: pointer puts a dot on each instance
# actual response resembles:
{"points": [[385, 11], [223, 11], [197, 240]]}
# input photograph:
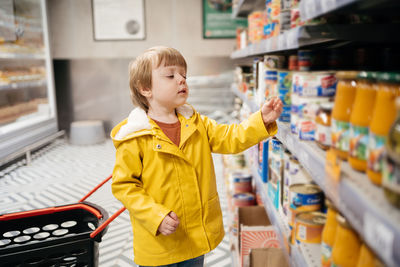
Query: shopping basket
{"points": [[66, 235]]}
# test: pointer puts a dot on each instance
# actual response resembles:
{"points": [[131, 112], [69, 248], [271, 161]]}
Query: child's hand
{"points": [[169, 224], [271, 110]]}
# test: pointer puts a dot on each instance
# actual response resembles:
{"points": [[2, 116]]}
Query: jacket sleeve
{"points": [[128, 188], [235, 138]]}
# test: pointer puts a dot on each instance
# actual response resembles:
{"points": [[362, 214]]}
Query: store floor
{"points": [[61, 174]]}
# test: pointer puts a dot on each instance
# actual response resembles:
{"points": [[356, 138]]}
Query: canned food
{"points": [[302, 198], [241, 182], [321, 83], [274, 62], [309, 226], [305, 59], [243, 199]]}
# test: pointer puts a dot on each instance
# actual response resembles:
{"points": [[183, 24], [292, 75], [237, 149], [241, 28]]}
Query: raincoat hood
{"points": [[138, 124]]}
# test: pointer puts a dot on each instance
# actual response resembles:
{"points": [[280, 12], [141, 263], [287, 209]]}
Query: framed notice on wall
{"points": [[118, 20], [218, 21]]}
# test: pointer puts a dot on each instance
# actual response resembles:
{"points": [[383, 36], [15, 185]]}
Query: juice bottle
{"points": [[328, 235], [383, 117], [347, 245], [391, 165], [366, 257], [360, 119], [340, 124]]}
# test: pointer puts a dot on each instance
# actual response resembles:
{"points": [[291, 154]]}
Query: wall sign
{"points": [[118, 20], [218, 21]]}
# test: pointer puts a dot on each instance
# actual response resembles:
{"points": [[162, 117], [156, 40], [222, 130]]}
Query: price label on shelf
{"points": [[378, 236]]}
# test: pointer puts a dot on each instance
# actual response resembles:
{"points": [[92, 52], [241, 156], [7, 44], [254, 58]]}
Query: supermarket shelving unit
{"points": [[29, 129], [362, 203]]}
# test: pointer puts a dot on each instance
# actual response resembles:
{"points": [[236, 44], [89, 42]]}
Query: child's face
{"points": [[169, 88]]}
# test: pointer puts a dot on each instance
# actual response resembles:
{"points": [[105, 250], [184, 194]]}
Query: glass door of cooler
{"points": [[27, 99]]}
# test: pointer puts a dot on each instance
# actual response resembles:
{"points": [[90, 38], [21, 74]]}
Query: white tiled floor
{"points": [[61, 174]]}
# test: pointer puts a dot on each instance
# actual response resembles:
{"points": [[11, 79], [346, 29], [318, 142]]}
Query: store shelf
{"points": [[4, 55], [22, 85], [292, 39], [310, 9], [303, 255], [362, 203], [245, 7], [304, 36]]}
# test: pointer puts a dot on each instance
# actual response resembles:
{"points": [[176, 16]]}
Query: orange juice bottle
{"points": [[347, 245], [360, 119], [340, 124], [328, 235], [383, 117], [366, 257]]}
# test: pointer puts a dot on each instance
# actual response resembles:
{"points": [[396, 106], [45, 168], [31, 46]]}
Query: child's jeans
{"points": [[196, 262]]}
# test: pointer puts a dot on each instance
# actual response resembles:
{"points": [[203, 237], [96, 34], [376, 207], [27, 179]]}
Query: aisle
{"points": [[61, 174]]}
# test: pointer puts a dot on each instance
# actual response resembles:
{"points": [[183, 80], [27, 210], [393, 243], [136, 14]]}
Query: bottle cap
{"points": [[346, 74]]}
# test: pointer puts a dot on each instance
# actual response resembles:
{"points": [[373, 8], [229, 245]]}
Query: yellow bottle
{"points": [[366, 257], [347, 245], [340, 125], [328, 235], [360, 119], [383, 117]]}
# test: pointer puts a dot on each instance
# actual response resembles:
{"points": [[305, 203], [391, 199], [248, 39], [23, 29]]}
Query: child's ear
{"points": [[146, 92]]}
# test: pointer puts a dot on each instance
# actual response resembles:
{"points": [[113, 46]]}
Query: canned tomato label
{"points": [[309, 226], [241, 182], [302, 198]]}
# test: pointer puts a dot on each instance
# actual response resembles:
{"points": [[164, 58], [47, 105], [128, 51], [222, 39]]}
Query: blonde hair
{"points": [[140, 70]]}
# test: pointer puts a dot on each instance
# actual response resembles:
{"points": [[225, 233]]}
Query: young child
{"points": [[164, 173]]}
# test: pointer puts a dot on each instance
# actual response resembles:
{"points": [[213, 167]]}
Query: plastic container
{"points": [[340, 129], [360, 120], [54, 236]]}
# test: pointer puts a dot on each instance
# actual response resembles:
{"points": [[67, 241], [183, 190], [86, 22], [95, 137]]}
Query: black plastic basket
{"points": [[57, 236]]}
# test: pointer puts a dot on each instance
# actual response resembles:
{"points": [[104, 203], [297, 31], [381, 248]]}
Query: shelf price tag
{"points": [[378, 236]]}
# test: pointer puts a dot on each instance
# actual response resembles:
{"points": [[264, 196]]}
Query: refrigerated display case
{"points": [[27, 98]]}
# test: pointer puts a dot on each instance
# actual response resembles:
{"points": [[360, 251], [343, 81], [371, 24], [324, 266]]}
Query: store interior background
{"points": [[91, 77]]}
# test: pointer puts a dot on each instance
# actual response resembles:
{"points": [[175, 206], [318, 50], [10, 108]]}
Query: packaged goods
{"points": [[328, 235], [284, 86], [304, 59], [275, 171], [391, 165], [274, 62], [345, 95], [271, 82], [360, 119], [285, 20], [242, 182], [273, 13], [309, 226], [295, 17], [263, 152], [293, 63], [347, 245], [256, 26], [295, 103], [321, 83], [243, 199], [323, 125], [302, 198], [382, 118]]}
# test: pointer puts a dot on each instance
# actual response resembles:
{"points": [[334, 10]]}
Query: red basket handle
{"points": [[109, 220]]}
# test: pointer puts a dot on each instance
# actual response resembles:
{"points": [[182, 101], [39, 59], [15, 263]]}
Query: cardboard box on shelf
{"points": [[268, 257], [255, 231]]}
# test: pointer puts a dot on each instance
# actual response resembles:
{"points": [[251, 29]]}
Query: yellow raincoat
{"points": [[152, 176]]}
